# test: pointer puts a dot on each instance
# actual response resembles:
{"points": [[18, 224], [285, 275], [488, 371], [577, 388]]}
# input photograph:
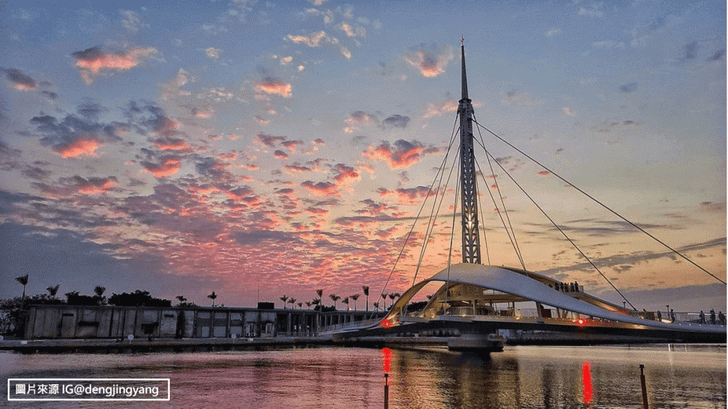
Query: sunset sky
{"points": [[265, 148]]}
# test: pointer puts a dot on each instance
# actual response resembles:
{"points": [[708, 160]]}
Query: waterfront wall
{"points": [[69, 321]]}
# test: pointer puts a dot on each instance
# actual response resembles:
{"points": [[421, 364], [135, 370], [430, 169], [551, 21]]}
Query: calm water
{"points": [[520, 377]]}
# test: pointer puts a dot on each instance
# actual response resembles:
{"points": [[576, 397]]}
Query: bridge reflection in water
{"points": [[482, 307]]}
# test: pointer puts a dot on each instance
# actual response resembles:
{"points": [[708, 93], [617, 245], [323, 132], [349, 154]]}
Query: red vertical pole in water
{"points": [[645, 405], [386, 391]]}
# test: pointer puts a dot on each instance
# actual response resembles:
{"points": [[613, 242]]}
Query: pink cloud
{"points": [[297, 168], [270, 140], [402, 155], [96, 185], [345, 174], [81, 146], [279, 154], [406, 195], [169, 166], [430, 61], [92, 60], [172, 144], [321, 188], [292, 145], [433, 109], [317, 211], [358, 119], [20, 80]]}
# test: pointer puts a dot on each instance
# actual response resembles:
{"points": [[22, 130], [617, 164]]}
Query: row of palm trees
{"points": [[99, 291], [53, 290], [335, 298]]}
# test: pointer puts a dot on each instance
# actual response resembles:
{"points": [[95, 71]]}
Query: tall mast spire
{"points": [[468, 185]]}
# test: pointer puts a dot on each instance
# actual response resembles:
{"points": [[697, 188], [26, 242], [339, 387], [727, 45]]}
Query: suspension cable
{"points": [[414, 224], [561, 231], [600, 203], [511, 233]]}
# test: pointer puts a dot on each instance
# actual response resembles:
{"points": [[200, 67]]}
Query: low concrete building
{"points": [[70, 321]]}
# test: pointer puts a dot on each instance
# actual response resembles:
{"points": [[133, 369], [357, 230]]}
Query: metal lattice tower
{"points": [[468, 182]]}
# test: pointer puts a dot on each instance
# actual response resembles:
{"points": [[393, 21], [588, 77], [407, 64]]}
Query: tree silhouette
{"points": [[99, 291], [24, 281], [335, 298], [53, 290], [292, 301], [346, 301], [212, 297], [392, 296], [284, 299], [308, 304], [384, 298], [365, 288], [354, 297]]}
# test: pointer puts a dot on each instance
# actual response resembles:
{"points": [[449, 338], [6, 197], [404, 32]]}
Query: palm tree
{"points": [[376, 306], [384, 298], [365, 288], [320, 293], [392, 296], [354, 297], [99, 290], [53, 290], [181, 299], [212, 297], [300, 305], [346, 301], [308, 304], [335, 298], [284, 299], [292, 301], [24, 281]]}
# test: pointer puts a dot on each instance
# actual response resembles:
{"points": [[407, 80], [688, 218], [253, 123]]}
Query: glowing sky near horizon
{"points": [[260, 149]]}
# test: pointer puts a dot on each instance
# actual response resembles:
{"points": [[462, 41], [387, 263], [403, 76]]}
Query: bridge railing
{"points": [[680, 318], [349, 325]]}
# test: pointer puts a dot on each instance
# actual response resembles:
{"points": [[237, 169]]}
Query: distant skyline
{"points": [[260, 149]]}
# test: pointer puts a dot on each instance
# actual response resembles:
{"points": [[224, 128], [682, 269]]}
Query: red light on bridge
{"points": [[387, 323], [581, 321]]}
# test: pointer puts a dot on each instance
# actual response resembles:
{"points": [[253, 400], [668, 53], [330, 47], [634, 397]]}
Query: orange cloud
{"points": [[93, 60], [402, 155], [96, 185], [345, 174], [312, 40], [172, 144], [429, 61], [321, 188], [82, 146], [438, 109], [168, 167], [274, 87]]}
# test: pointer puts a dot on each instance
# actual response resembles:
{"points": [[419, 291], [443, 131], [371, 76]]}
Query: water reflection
{"points": [[523, 377], [587, 381]]}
